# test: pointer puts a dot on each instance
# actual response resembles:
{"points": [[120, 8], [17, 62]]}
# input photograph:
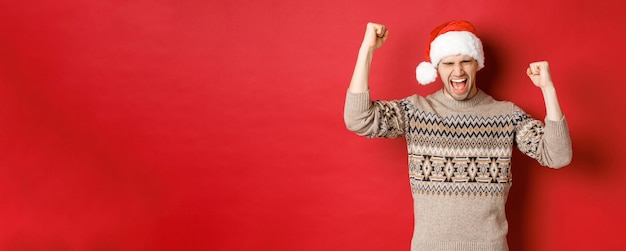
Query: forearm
{"points": [[360, 77], [549, 144], [556, 146], [553, 109], [539, 74]]}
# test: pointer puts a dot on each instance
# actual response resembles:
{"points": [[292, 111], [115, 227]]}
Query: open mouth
{"points": [[459, 85]]}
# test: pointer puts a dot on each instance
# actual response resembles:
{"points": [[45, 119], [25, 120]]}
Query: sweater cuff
{"points": [[358, 102], [557, 129]]}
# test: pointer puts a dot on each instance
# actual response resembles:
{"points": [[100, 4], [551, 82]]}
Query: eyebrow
{"points": [[453, 61]]}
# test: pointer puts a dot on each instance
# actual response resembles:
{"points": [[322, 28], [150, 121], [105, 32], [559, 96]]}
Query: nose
{"points": [[458, 70]]}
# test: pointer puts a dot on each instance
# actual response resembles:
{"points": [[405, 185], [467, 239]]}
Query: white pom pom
{"points": [[425, 73]]}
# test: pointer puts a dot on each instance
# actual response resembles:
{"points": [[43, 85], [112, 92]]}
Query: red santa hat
{"points": [[449, 39]]}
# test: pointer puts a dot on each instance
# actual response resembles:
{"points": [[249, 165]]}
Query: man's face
{"points": [[458, 74]]}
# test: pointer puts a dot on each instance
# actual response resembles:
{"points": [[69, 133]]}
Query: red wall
{"points": [[217, 125]]}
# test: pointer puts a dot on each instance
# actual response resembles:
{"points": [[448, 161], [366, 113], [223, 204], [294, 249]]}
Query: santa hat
{"points": [[449, 39]]}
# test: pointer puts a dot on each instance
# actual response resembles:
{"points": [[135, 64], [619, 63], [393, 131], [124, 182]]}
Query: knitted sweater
{"points": [[459, 160]]}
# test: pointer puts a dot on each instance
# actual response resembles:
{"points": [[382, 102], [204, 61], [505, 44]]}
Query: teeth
{"points": [[458, 80]]}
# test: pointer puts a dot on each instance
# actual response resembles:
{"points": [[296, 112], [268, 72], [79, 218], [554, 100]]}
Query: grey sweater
{"points": [[459, 160]]}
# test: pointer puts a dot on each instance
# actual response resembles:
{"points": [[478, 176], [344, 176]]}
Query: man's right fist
{"points": [[375, 35]]}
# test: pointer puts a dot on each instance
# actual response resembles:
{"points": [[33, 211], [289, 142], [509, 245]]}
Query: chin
{"points": [[462, 96]]}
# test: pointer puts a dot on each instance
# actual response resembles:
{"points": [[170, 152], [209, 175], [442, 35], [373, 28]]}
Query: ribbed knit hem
{"points": [[557, 129], [460, 246], [357, 102]]}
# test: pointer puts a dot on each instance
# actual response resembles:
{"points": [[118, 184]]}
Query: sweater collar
{"points": [[453, 103]]}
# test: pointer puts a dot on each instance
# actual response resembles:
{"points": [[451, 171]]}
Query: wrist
{"points": [[549, 88], [365, 48]]}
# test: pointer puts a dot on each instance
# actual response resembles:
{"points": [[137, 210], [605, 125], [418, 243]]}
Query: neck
{"points": [[470, 101], [470, 95]]}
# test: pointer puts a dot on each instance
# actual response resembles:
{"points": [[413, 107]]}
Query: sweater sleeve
{"points": [[374, 118], [549, 144]]}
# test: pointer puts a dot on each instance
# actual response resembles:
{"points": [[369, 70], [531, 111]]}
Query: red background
{"points": [[217, 125]]}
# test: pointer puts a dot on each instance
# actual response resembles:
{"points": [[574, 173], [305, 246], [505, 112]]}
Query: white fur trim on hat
{"points": [[457, 43], [425, 73]]}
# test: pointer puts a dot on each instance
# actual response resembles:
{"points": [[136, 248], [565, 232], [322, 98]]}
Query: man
{"points": [[459, 139]]}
